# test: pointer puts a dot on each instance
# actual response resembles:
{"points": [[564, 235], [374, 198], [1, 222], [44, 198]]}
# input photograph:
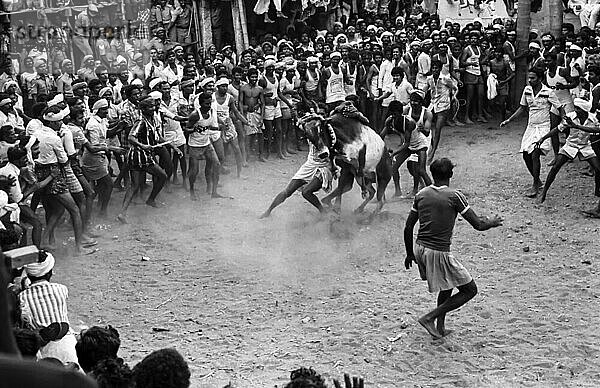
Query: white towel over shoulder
{"points": [[492, 86]]}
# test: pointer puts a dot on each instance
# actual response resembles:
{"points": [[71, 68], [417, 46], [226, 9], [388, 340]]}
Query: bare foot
{"points": [[541, 198], [262, 159], [291, 151], [88, 242], [122, 219], [468, 121], [532, 192], [153, 204], [430, 327], [217, 195], [281, 156], [594, 213], [245, 165], [193, 196], [266, 214], [398, 194]]}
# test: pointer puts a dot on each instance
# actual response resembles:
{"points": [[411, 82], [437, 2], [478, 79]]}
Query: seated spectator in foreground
{"points": [[96, 344], [113, 373], [164, 368], [44, 303]]}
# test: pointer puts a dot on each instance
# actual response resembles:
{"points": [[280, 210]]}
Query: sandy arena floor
{"points": [[248, 300]]}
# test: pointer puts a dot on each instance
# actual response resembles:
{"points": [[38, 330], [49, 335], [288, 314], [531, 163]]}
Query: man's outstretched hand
{"points": [[356, 382], [408, 261]]}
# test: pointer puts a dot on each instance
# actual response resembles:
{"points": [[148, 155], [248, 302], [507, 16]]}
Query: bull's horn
{"points": [[332, 133]]}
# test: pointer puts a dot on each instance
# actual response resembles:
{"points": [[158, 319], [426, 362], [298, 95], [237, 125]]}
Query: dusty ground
{"points": [[248, 300]]}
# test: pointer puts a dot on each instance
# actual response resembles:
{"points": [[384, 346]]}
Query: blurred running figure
{"points": [[436, 208]]}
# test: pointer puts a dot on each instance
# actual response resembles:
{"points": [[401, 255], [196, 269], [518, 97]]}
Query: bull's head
{"points": [[319, 133]]}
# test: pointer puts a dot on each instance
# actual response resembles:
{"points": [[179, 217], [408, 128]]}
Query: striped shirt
{"points": [[45, 303], [437, 208]]}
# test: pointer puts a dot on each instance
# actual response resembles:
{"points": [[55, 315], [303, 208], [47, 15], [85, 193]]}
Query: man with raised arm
{"points": [[436, 208]]}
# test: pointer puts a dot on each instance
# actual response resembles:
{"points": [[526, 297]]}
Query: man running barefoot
{"points": [[436, 208], [315, 173], [581, 124]]}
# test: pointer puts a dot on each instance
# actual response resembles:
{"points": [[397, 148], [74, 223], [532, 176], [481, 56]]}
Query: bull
{"points": [[347, 138]]}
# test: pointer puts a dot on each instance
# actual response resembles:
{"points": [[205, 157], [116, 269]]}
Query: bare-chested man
{"points": [[252, 106], [272, 109]]}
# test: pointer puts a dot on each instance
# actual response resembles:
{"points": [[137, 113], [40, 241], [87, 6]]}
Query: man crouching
{"points": [[436, 208]]}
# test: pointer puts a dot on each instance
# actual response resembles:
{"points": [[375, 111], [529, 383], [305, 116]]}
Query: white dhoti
{"points": [[533, 133]]}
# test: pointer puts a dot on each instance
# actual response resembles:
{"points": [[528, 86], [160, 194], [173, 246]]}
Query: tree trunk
{"points": [[237, 27], [556, 16], [523, 26], [205, 20]]}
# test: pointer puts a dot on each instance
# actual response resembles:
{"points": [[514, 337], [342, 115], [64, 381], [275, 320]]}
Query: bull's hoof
{"points": [[359, 210]]}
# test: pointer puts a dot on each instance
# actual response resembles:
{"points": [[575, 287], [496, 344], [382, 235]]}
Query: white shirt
{"points": [[10, 170]]}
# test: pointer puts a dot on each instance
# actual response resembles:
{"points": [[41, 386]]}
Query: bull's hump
{"points": [[348, 130]]}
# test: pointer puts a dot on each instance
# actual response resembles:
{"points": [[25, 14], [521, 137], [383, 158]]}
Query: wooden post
{"points": [[237, 27], [243, 19], [205, 21]]}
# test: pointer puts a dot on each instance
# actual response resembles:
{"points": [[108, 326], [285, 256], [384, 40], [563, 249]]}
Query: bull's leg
{"points": [[370, 194], [384, 175], [345, 183], [360, 178]]}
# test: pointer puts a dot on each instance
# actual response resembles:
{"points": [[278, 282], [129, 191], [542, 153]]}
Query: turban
{"points": [[77, 85], [57, 116], [39, 62], [312, 60], [217, 62], [155, 82], [386, 33], [335, 54], [147, 102], [187, 83], [138, 56], [40, 269], [8, 84], [155, 95], [120, 59], [104, 90], [6, 101], [206, 81], [418, 93], [427, 41], [536, 45], [222, 81], [92, 8], [415, 43], [101, 103], [478, 20], [56, 100], [269, 63], [180, 48], [371, 28], [338, 24], [574, 47], [87, 58], [399, 19], [580, 103], [65, 62], [137, 82]]}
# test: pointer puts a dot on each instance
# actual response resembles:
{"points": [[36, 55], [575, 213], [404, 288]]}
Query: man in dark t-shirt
{"points": [[436, 208]]}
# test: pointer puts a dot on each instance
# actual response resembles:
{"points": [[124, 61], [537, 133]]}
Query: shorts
{"points": [[199, 153], [571, 151], [214, 135], [230, 133], [472, 79], [273, 112], [256, 123], [441, 270], [58, 185], [72, 181]]}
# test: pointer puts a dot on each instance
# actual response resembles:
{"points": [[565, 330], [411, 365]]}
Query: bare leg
{"points": [[267, 138], [465, 294], [443, 296], [400, 158], [132, 189], [309, 193], [104, 189], [192, 175], [294, 185], [560, 161], [422, 167], [470, 99], [69, 204], [279, 140]]}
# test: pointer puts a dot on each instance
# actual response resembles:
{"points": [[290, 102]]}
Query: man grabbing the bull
{"points": [[436, 208]]}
